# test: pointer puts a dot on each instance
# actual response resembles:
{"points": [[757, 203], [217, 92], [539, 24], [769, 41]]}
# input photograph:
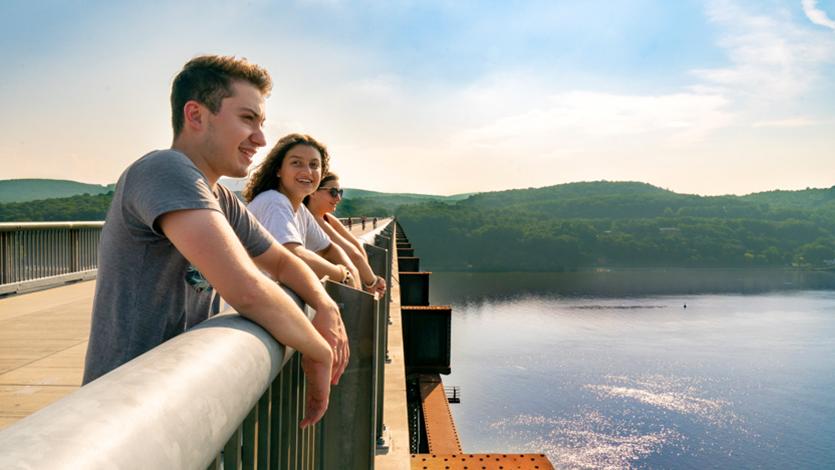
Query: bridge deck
{"points": [[43, 342]]}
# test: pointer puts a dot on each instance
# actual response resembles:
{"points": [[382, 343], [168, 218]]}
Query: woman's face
{"points": [[300, 172], [325, 199]]}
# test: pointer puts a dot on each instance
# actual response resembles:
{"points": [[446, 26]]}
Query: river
{"points": [[646, 368]]}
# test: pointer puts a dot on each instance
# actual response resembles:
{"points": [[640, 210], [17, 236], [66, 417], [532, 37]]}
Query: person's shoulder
{"points": [[306, 215], [270, 199], [227, 193], [270, 196], [159, 161], [305, 211]]}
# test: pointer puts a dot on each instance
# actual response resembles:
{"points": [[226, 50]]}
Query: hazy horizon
{"points": [[701, 97], [226, 181]]}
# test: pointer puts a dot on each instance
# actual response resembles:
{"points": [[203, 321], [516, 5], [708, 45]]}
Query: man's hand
{"points": [[328, 323], [318, 375]]}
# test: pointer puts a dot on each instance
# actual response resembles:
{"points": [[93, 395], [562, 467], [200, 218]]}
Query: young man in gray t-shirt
{"points": [[173, 236]]}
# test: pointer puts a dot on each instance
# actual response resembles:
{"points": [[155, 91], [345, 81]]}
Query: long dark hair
{"points": [[326, 178], [265, 176]]}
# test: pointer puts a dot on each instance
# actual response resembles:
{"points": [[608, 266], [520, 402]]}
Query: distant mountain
{"points": [[622, 224], [23, 190], [802, 199], [238, 184]]}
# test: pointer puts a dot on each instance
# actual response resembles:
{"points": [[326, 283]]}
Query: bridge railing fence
{"points": [[224, 395], [39, 254]]}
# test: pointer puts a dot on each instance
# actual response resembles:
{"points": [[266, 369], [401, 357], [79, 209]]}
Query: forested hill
{"points": [[577, 225], [622, 224], [23, 190]]}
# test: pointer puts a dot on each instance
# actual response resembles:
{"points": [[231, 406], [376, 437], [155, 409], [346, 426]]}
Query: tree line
{"points": [[577, 225]]}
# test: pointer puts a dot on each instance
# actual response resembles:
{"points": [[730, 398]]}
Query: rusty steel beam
{"points": [[461, 461], [440, 429]]}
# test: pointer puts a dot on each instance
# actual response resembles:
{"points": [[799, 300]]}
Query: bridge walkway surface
{"points": [[43, 342]]}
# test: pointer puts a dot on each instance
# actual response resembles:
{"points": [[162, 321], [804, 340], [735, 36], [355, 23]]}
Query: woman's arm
{"points": [[320, 265], [336, 255], [344, 232], [356, 256], [370, 281]]}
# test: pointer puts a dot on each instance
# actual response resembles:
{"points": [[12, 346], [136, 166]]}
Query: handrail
{"points": [[224, 385], [45, 254], [173, 407], [15, 226]]}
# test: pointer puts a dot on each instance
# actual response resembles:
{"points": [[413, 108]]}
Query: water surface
{"points": [[600, 375]]}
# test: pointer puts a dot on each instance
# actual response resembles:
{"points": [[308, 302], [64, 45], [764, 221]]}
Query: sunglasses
{"points": [[333, 191]]}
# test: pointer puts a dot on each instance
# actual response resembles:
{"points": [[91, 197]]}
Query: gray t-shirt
{"points": [[275, 212], [146, 291]]}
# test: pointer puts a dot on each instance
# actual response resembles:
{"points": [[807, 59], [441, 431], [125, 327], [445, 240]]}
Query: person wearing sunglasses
{"points": [[275, 191], [322, 203]]}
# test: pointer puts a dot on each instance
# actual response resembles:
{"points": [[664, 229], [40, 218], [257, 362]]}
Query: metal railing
{"points": [[37, 254], [222, 395], [363, 221]]}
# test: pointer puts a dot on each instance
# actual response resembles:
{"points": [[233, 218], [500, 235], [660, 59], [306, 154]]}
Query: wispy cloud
{"points": [[771, 57], [816, 15], [589, 116], [793, 122]]}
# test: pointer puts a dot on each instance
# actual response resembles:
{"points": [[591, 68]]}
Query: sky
{"points": [[444, 97]]}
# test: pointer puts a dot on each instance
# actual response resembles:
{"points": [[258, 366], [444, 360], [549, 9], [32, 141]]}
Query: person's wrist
{"points": [[344, 273], [371, 283]]}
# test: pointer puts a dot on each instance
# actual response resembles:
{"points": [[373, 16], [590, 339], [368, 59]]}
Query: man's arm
{"points": [[208, 242], [288, 269]]}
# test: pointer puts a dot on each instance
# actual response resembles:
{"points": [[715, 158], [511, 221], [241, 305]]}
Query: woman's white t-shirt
{"points": [[275, 212]]}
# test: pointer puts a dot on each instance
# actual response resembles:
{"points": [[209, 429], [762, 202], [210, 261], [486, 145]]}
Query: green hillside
{"points": [[64, 209], [577, 225], [372, 203], [22, 190], [622, 224]]}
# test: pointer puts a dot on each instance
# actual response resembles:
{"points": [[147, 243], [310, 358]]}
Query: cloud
{"points": [[786, 123], [816, 15], [771, 57], [598, 117]]}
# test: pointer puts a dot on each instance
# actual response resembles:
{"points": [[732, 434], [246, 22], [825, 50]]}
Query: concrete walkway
{"points": [[43, 340]]}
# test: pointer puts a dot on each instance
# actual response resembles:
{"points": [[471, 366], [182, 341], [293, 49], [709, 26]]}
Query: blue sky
{"points": [[708, 97]]}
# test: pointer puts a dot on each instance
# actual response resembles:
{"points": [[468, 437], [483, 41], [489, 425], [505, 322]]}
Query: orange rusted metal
{"points": [[480, 461], [440, 428]]}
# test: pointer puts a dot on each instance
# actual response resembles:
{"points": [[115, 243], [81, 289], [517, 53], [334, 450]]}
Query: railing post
{"points": [[4, 258], [352, 401], [74, 247], [377, 259]]}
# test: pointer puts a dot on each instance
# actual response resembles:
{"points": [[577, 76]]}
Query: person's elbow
{"points": [[246, 296]]}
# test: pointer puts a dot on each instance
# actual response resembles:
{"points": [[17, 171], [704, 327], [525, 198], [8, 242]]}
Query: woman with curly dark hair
{"points": [[275, 191]]}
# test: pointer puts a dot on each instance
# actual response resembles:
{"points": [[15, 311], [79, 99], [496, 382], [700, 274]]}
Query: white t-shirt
{"points": [[275, 212]]}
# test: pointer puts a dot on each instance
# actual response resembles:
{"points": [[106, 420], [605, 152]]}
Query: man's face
{"points": [[235, 132]]}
